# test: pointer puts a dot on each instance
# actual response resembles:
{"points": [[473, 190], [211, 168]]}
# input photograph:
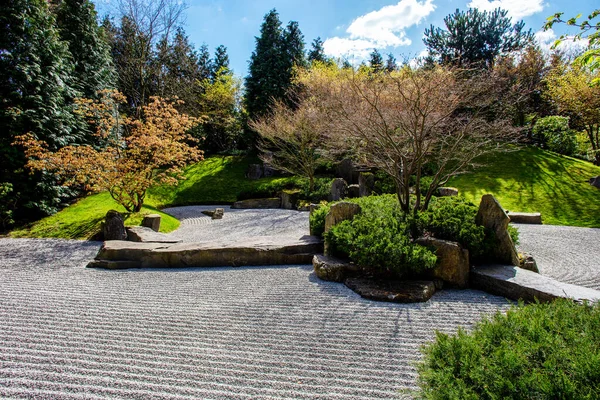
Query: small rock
{"points": [[393, 291], [143, 234], [447, 191], [152, 221], [366, 184], [453, 262], [218, 214], [353, 191], [114, 226], [209, 213], [339, 189], [254, 172], [528, 263], [595, 181], [332, 269]]}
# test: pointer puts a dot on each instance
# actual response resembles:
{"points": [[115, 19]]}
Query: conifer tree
{"points": [[78, 27], [35, 93], [317, 51], [376, 61], [220, 64], [390, 63], [204, 62]]}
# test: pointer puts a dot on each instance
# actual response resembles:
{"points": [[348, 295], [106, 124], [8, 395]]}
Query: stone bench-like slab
{"points": [[118, 254], [517, 283], [525, 218]]}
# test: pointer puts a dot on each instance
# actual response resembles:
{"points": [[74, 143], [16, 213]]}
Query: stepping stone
{"points": [[517, 283], [392, 291]]}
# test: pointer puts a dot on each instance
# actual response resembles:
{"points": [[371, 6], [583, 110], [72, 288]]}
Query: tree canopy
{"points": [[475, 38]]}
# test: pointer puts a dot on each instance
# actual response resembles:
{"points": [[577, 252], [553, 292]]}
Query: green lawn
{"points": [[216, 180], [533, 180]]}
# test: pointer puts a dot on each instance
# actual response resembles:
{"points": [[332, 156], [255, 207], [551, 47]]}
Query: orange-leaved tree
{"points": [[134, 153]]}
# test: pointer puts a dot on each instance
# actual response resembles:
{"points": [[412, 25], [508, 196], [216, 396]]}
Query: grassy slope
{"points": [[217, 180], [532, 180]]}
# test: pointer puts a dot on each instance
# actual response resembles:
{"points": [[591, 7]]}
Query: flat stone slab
{"points": [[517, 283], [119, 254], [145, 234], [525, 218], [332, 269], [273, 202], [396, 292]]}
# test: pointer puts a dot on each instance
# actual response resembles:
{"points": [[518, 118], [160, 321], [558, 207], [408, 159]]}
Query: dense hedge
{"points": [[538, 351]]}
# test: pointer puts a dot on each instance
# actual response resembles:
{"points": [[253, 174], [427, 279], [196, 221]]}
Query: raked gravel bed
{"points": [[222, 333]]}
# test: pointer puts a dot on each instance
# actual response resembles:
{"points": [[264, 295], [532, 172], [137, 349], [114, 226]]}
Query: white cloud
{"points": [[517, 9], [546, 39], [379, 29]]}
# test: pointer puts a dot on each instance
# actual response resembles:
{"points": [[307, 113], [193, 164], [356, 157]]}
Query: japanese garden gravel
{"points": [[216, 333]]}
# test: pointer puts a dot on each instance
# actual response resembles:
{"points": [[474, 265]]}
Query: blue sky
{"points": [[351, 28]]}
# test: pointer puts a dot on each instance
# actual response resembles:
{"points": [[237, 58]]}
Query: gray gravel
{"points": [[565, 253], [221, 333]]}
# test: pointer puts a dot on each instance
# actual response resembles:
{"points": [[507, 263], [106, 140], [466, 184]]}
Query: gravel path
{"points": [[221, 333], [565, 253], [237, 224]]}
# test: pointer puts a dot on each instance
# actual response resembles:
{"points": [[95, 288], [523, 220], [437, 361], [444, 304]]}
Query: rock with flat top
{"points": [[453, 262], [144, 234], [392, 291], [152, 221], [353, 191], [493, 217], [340, 212], [332, 269], [274, 202], [447, 191], [289, 199], [525, 218]]}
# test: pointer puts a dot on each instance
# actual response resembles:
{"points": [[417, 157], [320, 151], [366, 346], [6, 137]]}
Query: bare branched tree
{"points": [[401, 121], [292, 140]]}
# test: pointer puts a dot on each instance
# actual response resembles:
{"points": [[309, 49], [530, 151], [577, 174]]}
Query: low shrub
{"points": [[317, 219], [554, 134], [538, 351], [379, 239]]}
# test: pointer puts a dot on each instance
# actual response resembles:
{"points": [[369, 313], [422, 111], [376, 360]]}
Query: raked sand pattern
{"points": [[67, 332]]}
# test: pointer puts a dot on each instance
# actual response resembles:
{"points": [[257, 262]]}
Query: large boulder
{"points": [[274, 202], [332, 269], [453, 262], [152, 221], [289, 199], [366, 184], [493, 217], [394, 291], [339, 189], [114, 226], [340, 212], [346, 170]]}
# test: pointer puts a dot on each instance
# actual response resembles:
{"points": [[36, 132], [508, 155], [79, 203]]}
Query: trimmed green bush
{"points": [[538, 351], [317, 219], [554, 133]]}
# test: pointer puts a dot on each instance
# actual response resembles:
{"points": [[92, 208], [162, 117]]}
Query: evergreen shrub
{"points": [[555, 135], [537, 351]]}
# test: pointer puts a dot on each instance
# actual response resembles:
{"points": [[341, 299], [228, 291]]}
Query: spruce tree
{"points": [[317, 52], [220, 64], [376, 61], [390, 63], [36, 90], [204, 62], [78, 27]]}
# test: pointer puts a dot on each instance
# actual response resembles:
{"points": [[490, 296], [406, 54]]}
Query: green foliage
{"points": [[36, 89], [271, 64], [317, 52], [555, 134], [453, 218], [379, 239], [475, 38], [7, 199], [534, 180], [317, 219], [376, 62], [538, 351]]}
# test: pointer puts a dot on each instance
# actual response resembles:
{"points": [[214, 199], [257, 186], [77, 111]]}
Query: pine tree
{"points": [[220, 64], [376, 61], [77, 25], [204, 62], [317, 52], [390, 63], [267, 66], [35, 92]]}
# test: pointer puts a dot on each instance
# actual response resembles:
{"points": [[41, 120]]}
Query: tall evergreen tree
{"points": [[376, 61], [220, 62], [476, 38], [204, 62], [390, 63], [35, 93], [78, 27], [272, 64], [317, 51]]}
